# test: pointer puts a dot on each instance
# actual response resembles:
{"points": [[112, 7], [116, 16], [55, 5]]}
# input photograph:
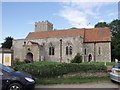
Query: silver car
{"points": [[115, 72]]}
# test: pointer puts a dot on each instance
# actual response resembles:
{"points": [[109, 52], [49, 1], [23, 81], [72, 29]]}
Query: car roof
{"points": [[3, 67]]}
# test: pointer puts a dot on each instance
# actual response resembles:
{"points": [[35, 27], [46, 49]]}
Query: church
{"points": [[46, 44]]}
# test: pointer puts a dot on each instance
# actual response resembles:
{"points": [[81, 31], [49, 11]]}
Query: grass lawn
{"points": [[101, 63], [71, 80]]}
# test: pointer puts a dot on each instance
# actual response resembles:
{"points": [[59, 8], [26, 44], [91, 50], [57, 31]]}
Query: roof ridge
{"points": [[90, 35]]}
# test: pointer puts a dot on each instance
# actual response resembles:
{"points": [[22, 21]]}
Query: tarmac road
{"points": [[108, 85]]}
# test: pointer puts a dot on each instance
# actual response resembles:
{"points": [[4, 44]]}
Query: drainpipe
{"points": [[60, 50]]}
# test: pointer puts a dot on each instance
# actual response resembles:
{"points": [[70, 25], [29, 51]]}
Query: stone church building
{"points": [[46, 44]]}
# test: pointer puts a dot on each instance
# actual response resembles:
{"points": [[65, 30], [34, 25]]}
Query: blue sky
{"points": [[18, 17]]}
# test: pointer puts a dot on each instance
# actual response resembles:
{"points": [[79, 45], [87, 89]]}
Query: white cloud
{"points": [[74, 16], [101, 21], [77, 13]]}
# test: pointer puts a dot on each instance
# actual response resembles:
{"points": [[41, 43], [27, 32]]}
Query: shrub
{"points": [[27, 61], [77, 59], [54, 70]]}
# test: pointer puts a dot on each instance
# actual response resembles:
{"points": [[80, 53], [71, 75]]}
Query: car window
{"points": [[6, 68], [117, 65]]}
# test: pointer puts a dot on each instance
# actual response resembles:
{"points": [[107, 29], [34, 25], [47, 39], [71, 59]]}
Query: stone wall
{"points": [[100, 51], [42, 51]]}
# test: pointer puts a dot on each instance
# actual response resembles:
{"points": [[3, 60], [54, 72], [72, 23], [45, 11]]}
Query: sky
{"points": [[18, 17]]}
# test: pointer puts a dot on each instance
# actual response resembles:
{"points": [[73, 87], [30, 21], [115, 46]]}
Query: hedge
{"points": [[54, 70]]}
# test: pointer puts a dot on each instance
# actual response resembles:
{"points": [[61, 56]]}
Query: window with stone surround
{"points": [[68, 50], [99, 50], [85, 51], [51, 50]]}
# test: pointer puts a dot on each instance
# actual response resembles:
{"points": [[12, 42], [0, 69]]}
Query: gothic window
{"points": [[51, 50], [99, 51], [85, 51], [69, 50]]}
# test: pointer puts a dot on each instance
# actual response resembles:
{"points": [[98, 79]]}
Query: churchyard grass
{"points": [[101, 63]]}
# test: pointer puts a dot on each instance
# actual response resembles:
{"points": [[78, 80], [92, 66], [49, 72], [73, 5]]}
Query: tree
{"points": [[101, 25], [115, 31], [7, 43], [115, 28]]}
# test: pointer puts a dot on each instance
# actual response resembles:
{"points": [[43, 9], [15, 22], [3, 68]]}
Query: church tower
{"points": [[43, 26]]}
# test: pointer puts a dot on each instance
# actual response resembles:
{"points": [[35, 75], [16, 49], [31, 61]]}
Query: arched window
{"points": [[89, 58], [67, 50], [85, 51], [99, 52], [70, 49], [51, 50]]}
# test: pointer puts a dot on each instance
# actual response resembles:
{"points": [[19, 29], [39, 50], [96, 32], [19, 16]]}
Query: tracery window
{"points": [[51, 50], [68, 50]]}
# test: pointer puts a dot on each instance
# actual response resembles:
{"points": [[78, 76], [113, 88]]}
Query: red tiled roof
{"points": [[89, 35], [97, 35]]}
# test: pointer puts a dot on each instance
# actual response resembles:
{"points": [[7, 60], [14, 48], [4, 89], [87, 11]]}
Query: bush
{"points": [[27, 61], [54, 70], [77, 59]]}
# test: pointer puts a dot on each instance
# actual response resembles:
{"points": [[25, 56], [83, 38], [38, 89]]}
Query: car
{"points": [[115, 72], [15, 80]]}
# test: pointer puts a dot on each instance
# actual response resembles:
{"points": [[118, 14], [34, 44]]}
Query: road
{"points": [[102, 84]]}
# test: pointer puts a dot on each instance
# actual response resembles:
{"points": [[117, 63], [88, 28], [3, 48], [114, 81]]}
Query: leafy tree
{"points": [[115, 31], [101, 25], [115, 28], [7, 43]]}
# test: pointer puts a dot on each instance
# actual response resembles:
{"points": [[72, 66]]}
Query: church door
{"points": [[29, 56], [89, 57]]}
